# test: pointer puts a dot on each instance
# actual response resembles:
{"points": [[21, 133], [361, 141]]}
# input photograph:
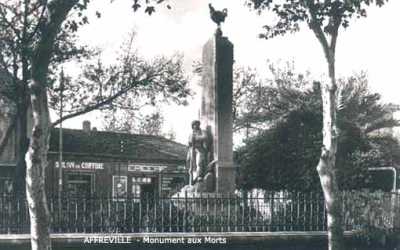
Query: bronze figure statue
{"points": [[197, 153]]}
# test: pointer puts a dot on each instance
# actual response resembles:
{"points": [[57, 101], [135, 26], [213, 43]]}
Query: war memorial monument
{"points": [[210, 154]]}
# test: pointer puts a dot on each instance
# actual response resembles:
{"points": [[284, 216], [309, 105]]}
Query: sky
{"points": [[370, 44]]}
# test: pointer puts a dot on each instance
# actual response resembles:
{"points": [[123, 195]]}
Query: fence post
{"points": [[147, 216], [132, 214], [272, 209], [310, 221], [208, 212], [92, 209], [155, 206], [291, 211], [162, 213], [170, 214], [18, 226], [84, 214], [200, 212], [101, 215], [185, 214], [215, 213], [236, 213], [344, 219], [284, 199], [322, 202], [304, 212], [109, 219], [179, 205], [229, 212], [222, 217]]}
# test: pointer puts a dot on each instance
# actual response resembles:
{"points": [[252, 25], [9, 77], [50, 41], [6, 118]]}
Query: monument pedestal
{"points": [[225, 176]]}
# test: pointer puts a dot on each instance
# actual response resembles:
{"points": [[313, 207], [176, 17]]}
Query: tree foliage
{"points": [[21, 27], [130, 84], [328, 15], [284, 156], [246, 92], [22, 24], [258, 103], [134, 123]]}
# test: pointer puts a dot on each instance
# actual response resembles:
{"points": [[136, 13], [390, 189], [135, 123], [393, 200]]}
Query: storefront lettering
{"points": [[80, 165], [145, 168]]}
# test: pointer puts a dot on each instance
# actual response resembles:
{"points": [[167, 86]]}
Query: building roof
{"points": [[145, 148]]}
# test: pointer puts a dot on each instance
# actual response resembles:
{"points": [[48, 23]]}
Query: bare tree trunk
{"points": [[326, 168], [23, 103], [36, 162], [22, 144], [36, 157]]}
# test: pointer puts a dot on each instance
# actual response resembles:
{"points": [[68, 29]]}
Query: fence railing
{"points": [[266, 211]]}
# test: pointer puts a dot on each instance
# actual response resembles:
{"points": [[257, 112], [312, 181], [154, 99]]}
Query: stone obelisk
{"points": [[216, 108]]}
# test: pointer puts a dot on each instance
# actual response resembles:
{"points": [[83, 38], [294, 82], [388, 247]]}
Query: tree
{"points": [[129, 84], [36, 157], [246, 92], [21, 25], [283, 156], [258, 104], [130, 122], [44, 28], [99, 86], [282, 115], [324, 18]]}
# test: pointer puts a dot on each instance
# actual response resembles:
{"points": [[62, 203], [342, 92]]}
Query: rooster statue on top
{"points": [[218, 16]]}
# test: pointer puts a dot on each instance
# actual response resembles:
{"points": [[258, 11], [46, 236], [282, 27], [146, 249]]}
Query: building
{"points": [[117, 165]]}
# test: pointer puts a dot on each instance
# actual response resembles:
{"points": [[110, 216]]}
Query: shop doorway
{"points": [[143, 187]]}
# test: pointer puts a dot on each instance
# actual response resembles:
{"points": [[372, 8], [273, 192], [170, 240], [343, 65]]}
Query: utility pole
{"points": [[60, 146], [121, 149]]}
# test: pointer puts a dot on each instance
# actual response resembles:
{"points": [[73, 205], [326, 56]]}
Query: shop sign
{"points": [[81, 165], [145, 168]]}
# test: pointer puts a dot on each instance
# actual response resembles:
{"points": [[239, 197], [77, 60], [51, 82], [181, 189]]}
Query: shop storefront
{"points": [[115, 165]]}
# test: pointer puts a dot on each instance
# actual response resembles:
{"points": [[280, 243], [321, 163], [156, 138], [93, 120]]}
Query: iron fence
{"points": [[262, 211]]}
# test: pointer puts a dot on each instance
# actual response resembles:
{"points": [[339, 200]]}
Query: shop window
{"points": [[120, 184], [6, 186], [80, 184]]}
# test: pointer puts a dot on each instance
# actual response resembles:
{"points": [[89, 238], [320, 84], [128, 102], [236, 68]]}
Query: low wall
{"points": [[232, 241]]}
